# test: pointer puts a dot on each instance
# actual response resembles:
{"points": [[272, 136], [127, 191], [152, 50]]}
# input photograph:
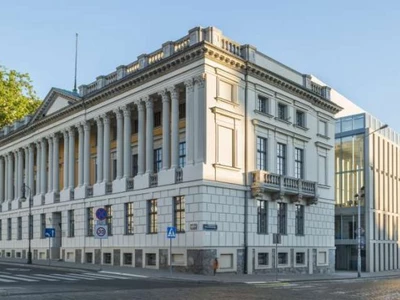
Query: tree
{"points": [[17, 96]]}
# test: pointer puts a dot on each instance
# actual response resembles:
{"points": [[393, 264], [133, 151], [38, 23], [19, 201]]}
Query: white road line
{"points": [[81, 276], [124, 274], [18, 278], [6, 280], [106, 276], [74, 276], [42, 278], [99, 277], [54, 276]]}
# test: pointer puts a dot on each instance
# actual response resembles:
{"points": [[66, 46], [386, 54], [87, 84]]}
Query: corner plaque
{"points": [[210, 227]]}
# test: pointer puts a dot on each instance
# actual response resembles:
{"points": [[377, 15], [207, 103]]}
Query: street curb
{"points": [[46, 267], [124, 274]]}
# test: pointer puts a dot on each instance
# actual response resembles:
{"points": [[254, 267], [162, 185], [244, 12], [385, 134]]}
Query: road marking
{"points": [[106, 276], [6, 280], [15, 277], [40, 278], [124, 274], [55, 276], [74, 276]]}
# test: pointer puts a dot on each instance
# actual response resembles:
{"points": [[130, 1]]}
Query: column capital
{"points": [[98, 121], [118, 113], [30, 147], [126, 111], [149, 104], [80, 128], [65, 134], [164, 95], [189, 85], [144, 98], [140, 106], [106, 118], [56, 136], [173, 91], [200, 80], [86, 126]]}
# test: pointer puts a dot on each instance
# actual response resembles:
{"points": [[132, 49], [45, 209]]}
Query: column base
{"points": [[52, 197], [6, 206], [119, 185], [38, 200], [192, 172], [16, 204], [166, 177], [66, 195], [80, 192], [142, 181]]}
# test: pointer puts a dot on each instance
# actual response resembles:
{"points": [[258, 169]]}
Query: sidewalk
{"points": [[220, 277]]}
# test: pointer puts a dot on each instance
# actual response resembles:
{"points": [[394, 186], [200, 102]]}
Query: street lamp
{"points": [[23, 199], [359, 196]]}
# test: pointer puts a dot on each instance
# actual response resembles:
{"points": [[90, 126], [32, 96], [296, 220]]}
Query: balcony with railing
{"points": [[178, 175], [280, 185]]}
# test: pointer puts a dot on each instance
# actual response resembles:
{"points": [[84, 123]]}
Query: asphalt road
{"points": [[34, 283]]}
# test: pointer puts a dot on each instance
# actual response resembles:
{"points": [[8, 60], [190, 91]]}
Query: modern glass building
{"points": [[366, 156]]}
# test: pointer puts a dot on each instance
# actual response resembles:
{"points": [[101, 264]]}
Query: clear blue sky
{"points": [[354, 46]]}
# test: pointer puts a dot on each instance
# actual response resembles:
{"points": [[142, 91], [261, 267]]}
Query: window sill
{"points": [[178, 232], [262, 233], [152, 233], [283, 265], [263, 267], [324, 186], [128, 234], [259, 112], [301, 127], [233, 103], [300, 235], [219, 166], [323, 136], [283, 120]]}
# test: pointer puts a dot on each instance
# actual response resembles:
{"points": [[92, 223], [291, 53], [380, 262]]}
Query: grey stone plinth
{"points": [[78, 255], [116, 257], [240, 261], [163, 258], [97, 256], [201, 261]]}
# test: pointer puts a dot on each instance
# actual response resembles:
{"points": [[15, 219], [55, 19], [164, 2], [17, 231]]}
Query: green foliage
{"points": [[17, 96]]}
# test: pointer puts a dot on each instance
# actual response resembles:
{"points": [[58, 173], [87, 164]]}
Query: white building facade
{"points": [[205, 134]]}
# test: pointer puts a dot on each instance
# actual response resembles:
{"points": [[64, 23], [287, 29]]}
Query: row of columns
{"points": [[47, 149]]}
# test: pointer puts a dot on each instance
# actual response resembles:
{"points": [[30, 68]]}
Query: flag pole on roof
{"points": [[76, 60]]}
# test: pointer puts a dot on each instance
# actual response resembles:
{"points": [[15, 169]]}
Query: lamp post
{"points": [[359, 196], [23, 199]]}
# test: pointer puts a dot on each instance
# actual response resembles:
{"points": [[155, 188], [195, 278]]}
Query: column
{"points": [[31, 162], [199, 120], [6, 177], [26, 168], [86, 159], [20, 174], [66, 159], [149, 136], [141, 137], [106, 149], [119, 143], [189, 122], [1, 179], [100, 145], [50, 165], [15, 168], [56, 164], [10, 176], [166, 143], [71, 161], [38, 167], [127, 142], [174, 128], [80, 155], [43, 169]]}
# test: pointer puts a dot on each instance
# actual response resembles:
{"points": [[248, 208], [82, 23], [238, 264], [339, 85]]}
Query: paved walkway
{"points": [[220, 277]]}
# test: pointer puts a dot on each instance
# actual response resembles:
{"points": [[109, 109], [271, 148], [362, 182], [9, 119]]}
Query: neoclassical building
{"points": [[204, 134]]}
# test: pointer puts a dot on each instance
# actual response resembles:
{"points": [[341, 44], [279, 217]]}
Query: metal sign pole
{"points": [[276, 259], [170, 255], [49, 251], [101, 253]]}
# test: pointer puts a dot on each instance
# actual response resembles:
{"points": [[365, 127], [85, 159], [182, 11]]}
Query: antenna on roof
{"points": [[76, 61]]}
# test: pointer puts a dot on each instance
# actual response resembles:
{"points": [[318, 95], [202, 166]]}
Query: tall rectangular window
{"points": [[322, 176], [135, 126], [71, 223], [282, 221], [152, 216], [42, 225], [182, 154], [114, 168], [262, 104], [90, 221], [129, 222], [322, 128], [157, 160], [179, 213], [1, 230], [19, 224], [281, 159], [299, 214], [262, 216], [300, 118], [9, 229], [299, 163], [109, 219], [282, 111], [135, 165], [182, 110], [157, 119], [261, 153]]}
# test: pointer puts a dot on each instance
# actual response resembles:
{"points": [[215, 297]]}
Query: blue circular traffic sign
{"points": [[101, 214]]}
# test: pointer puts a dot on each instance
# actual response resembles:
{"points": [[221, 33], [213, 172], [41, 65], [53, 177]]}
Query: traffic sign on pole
{"points": [[101, 213], [171, 232], [49, 233], [101, 232]]}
